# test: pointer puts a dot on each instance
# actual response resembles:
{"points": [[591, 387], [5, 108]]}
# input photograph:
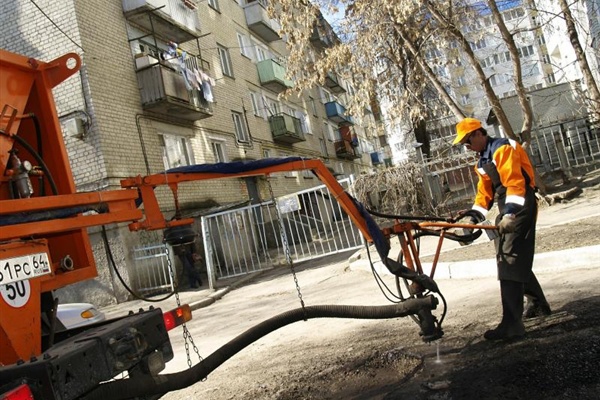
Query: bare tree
{"points": [[508, 39], [594, 93]]}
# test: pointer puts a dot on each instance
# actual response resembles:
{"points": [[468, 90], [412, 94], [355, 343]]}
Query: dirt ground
{"points": [[386, 359]]}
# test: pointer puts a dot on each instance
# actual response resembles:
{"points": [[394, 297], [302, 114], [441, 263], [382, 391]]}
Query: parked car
{"points": [[74, 315]]}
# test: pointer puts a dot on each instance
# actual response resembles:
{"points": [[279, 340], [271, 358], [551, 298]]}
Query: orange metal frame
{"points": [[154, 219], [25, 90]]}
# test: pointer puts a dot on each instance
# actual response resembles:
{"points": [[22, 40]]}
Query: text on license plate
{"points": [[24, 267]]}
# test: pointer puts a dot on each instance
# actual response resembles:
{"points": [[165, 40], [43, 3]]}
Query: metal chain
{"points": [[286, 247], [187, 336]]}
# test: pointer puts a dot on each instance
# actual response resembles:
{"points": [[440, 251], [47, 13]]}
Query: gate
{"points": [[248, 239], [152, 275]]}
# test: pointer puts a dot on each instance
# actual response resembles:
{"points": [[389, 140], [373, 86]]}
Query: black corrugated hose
{"points": [[148, 385]]}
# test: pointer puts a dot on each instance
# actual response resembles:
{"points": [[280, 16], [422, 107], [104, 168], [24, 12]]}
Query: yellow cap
{"points": [[464, 127]]}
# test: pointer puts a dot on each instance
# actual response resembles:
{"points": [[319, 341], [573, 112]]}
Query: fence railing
{"points": [[310, 224]]}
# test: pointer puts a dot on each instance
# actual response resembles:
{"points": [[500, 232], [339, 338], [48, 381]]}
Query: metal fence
{"points": [[451, 181], [152, 274], [567, 145], [310, 224]]}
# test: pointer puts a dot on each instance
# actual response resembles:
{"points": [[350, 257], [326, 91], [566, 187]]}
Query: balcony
{"points": [[345, 149], [286, 129], [259, 22], [163, 91], [337, 113], [171, 20], [322, 35], [333, 83], [272, 76], [376, 158]]}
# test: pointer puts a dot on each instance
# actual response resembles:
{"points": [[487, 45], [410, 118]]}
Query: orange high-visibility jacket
{"points": [[503, 168]]}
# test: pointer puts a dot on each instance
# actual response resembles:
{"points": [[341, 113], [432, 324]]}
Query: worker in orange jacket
{"points": [[504, 170]]}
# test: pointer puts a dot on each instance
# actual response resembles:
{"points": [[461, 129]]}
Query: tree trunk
{"points": [[594, 93], [518, 75]]}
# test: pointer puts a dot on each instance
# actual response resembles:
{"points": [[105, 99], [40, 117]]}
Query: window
{"points": [[480, 44], [325, 95], [546, 59], [526, 51], [267, 153], [226, 66], [261, 52], [218, 148], [464, 99], [304, 122], [461, 80], [323, 147], [176, 151], [328, 132], [214, 4], [255, 108], [245, 46], [541, 40], [288, 174], [550, 78], [241, 133], [314, 106], [272, 106]]}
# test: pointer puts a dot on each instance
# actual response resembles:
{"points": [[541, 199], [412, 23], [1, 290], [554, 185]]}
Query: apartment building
{"points": [[168, 83], [547, 57]]}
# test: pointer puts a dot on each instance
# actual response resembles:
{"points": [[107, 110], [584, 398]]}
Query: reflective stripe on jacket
{"points": [[503, 168]]}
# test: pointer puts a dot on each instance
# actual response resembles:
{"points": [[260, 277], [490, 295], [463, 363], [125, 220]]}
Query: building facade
{"points": [[169, 83], [547, 58]]}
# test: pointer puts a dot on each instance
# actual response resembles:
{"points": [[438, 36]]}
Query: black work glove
{"points": [[508, 224], [468, 217]]}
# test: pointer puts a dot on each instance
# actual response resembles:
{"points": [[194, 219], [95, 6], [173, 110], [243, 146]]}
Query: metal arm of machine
{"points": [[154, 219]]}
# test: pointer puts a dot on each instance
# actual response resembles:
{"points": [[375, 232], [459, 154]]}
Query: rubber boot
{"points": [[511, 326], [537, 305]]}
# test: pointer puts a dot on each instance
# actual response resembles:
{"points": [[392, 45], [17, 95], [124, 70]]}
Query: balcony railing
{"points": [[286, 129], [345, 149], [337, 113], [164, 91], [272, 76], [172, 20], [334, 84], [259, 22]]}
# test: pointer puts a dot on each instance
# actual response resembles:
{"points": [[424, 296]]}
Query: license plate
{"points": [[24, 267]]}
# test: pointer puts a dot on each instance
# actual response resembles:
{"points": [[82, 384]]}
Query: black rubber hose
{"points": [[148, 385]]}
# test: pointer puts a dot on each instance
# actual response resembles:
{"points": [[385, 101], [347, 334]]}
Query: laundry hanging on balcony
{"points": [[206, 84], [193, 78]]}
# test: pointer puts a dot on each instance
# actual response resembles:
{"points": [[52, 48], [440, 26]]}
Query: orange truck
{"points": [[44, 246]]}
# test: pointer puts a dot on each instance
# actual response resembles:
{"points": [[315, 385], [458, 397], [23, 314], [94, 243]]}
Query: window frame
{"points": [[214, 4], [255, 100], [245, 45], [225, 60], [184, 148], [241, 130], [218, 147]]}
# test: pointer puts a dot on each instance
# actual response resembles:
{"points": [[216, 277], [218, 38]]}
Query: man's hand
{"points": [[507, 224]]}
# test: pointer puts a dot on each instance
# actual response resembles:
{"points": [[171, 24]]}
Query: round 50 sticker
{"points": [[16, 294]]}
